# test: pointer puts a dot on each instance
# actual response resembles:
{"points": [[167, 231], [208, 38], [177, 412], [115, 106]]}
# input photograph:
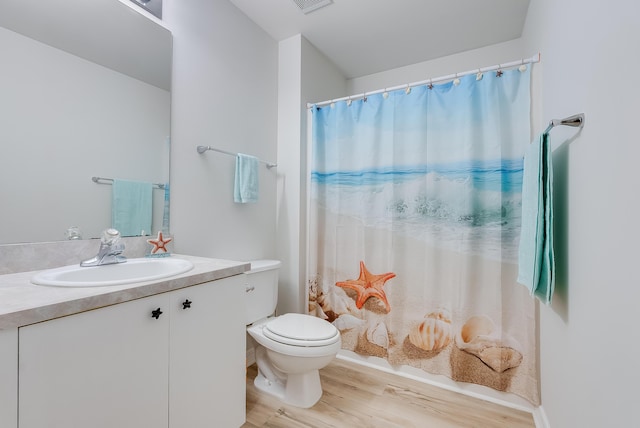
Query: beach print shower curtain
{"points": [[414, 226]]}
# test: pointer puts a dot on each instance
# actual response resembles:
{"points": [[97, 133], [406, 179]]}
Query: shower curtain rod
{"points": [[202, 149], [497, 67], [576, 121]]}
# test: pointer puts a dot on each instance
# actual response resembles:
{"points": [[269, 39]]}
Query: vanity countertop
{"points": [[23, 303]]}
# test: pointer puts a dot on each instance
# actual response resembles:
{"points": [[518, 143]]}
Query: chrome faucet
{"points": [[110, 250]]}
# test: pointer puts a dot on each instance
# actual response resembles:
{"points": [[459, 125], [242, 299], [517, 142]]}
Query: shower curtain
{"points": [[414, 223]]}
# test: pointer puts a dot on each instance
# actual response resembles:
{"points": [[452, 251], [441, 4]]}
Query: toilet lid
{"points": [[301, 330]]}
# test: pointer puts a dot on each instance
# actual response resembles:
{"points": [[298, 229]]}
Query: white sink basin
{"points": [[133, 270]]}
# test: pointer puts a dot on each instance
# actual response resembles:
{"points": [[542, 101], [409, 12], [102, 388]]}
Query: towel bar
{"points": [[102, 180], [202, 149]]}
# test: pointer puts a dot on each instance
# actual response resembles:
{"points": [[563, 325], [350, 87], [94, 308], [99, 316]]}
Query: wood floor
{"points": [[362, 397]]}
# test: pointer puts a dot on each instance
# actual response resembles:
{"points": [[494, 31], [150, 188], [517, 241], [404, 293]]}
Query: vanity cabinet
{"points": [[170, 360], [8, 377]]}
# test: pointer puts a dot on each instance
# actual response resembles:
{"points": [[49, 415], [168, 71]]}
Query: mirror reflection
{"points": [[85, 92]]}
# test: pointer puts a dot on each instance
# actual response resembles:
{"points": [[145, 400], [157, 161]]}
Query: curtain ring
{"points": [[479, 74], [407, 90], [385, 94], [522, 67], [430, 84]]}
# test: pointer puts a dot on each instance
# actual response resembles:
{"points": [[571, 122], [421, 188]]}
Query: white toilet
{"points": [[291, 347]]}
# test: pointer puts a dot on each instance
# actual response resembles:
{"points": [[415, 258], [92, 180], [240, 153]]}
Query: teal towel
{"points": [[246, 179], [131, 207], [536, 263]]}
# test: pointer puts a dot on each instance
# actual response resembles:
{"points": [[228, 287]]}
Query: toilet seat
{"points": [[301, 330]]}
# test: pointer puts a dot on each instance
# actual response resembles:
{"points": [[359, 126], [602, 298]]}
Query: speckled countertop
{"points": [[23, 303]]}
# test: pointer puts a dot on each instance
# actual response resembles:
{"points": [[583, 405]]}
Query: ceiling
{"points": [[363, 37], [86, 29]]}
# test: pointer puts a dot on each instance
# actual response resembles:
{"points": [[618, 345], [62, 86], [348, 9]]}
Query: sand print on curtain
{"points": [[415, 221]]}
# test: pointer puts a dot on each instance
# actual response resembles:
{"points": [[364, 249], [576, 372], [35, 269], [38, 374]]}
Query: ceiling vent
{"points": [[308, 6]]}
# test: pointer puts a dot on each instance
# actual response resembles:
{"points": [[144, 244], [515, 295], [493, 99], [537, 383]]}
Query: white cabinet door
{"points": [[207, 355], [9, 378], [104, 368]]}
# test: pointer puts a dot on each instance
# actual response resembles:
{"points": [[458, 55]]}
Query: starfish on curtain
{"points": [[368, 285]]}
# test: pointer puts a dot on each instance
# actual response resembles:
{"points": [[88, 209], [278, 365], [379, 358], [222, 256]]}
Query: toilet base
{"points": [[299, 390]]}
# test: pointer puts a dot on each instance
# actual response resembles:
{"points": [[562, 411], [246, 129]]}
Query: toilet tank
{"points": [[261, 285]]}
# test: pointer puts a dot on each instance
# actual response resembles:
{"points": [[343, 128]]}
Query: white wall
{"points": [[305, 75], [484, 57], [590, 368], [289, 132], [224, 94]]}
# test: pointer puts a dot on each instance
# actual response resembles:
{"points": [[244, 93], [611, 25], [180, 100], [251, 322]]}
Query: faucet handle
{"points": [[110, 236]]}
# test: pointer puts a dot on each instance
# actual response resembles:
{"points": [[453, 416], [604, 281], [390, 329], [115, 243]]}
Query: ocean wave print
{"points": [[503, 174], [464, 208]]}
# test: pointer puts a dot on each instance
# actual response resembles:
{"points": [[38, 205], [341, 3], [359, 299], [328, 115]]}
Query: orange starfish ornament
{"points": [[159, 244], [368, 285]]}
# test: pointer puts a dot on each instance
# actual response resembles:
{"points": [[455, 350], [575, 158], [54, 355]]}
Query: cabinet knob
{"points": [[186, 304], [156, 314]]}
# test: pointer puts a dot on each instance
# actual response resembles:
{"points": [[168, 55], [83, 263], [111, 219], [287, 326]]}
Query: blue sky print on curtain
{"points": [[415, 221]]}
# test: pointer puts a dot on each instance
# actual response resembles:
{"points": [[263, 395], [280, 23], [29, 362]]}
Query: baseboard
{"points": [[540, 418]]}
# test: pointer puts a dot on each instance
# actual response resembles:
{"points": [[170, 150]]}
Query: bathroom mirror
{"points": [[84, 92]]}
